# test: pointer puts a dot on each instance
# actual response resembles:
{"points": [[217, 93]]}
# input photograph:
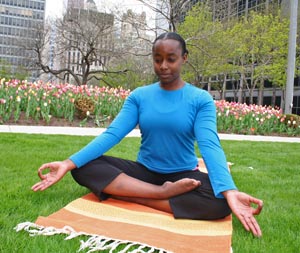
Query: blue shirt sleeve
{"points": [[205, 129], [125, 121]]}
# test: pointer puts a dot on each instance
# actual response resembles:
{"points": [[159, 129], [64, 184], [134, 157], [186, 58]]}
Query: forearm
{"points": [[229, 193], [94, 149], [69, 164]]}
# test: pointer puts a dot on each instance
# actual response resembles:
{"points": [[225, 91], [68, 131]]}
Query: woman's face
{"points": [[167, 61]]}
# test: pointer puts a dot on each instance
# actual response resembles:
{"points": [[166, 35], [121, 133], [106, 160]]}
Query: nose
{"points": [[163, 65]]}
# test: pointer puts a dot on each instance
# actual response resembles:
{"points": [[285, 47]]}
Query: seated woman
{"points": [[172, 114]]}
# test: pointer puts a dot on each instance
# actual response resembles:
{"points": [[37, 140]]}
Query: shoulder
{"points": [[144, 89], [139, 94], [197, 94]]}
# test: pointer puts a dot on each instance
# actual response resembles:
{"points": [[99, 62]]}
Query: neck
{"points": [[172, 86]]}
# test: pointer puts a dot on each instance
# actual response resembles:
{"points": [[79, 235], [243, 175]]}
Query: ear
{"points": [[185, 58]]}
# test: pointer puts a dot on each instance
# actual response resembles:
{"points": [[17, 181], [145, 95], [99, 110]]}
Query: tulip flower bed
{"points": [[46, 102], [253, 119]]}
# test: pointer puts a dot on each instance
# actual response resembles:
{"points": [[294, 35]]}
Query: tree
{"points": [[82, 49], [168, 12], [139, 73], [260, 50], [198, 29], [250, 49], [209, 48]]}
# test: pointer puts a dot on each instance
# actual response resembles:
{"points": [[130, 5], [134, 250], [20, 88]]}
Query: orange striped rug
{"points": [[128, 222]]}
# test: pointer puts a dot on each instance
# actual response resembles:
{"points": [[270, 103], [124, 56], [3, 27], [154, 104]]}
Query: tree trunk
{"points": [[273, 96], [209, 85], [84, 79], [251, 96], [260, 98], [241, 88], [282, 101], [224, 88], [234, 92]]}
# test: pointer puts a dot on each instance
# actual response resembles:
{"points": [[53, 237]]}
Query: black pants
{"points": [[199, 203]]}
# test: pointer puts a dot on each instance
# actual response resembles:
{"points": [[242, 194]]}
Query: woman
{"points": [[172, 115]]}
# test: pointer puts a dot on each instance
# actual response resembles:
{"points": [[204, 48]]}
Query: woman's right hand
{"points": [[57, 170]]}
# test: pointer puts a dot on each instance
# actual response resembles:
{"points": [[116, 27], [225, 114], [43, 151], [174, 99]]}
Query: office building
{"points": [[78, 4], [19, 21]]}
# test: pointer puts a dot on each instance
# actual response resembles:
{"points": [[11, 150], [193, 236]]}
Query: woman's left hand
{"points": [[241, 205]]}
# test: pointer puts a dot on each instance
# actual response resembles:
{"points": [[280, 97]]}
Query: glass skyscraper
{"points": [[19, 20]]}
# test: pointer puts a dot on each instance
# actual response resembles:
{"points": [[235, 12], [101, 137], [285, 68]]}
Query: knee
{"points": [[77, 176], [218, 210], [211, 209]]}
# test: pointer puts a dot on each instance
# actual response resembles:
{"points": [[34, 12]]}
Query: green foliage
{"points": [[249, 49], [12, 72], [204, 43], [261, 46], [139, 73]]}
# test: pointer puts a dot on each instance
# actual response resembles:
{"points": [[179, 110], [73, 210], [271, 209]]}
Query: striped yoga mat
{"points": [[133, 224]]}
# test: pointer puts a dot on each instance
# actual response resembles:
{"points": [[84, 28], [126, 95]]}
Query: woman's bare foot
{"points": [[126, 186], [170, 189], [161, 199]]}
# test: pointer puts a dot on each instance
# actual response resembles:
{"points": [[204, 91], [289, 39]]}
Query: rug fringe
{"points": [[92, 244], [34, 229]]}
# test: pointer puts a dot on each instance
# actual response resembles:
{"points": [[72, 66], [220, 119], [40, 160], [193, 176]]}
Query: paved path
{"points": [[81, 131]]}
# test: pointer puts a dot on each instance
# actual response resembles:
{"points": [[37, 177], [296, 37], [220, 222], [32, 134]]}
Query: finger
{"points": [[257, 210], [244, 222], [37, 186], [259, 204], [41, 186], [250, 224], [41, 169], [254, 227]]}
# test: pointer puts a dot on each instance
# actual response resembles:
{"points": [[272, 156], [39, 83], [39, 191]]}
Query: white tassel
{"points": [[34, 229], [74, 234], [26, 226], [94, 242]]}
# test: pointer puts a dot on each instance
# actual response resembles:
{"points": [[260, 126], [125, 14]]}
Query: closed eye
{"points": [[171, 60]]}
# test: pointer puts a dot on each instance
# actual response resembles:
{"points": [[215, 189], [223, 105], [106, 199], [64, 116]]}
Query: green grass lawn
{"points": [[270, 171]]}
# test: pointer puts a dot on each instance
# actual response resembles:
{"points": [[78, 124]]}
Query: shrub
{"points": [[292, 120]]}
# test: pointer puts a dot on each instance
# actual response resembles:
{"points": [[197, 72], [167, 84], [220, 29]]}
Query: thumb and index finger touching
{"points": [[259, 205], [42, 168], [45, 180]]}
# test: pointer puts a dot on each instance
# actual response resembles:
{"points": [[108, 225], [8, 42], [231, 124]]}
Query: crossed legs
{"points": [[127, 188], [176, 193]]}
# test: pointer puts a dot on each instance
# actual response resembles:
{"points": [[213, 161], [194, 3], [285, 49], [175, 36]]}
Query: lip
{"points": [[164, 75]]}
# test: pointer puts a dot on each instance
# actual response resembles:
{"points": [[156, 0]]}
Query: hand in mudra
{"points": [[241, 205], [57, 170]]}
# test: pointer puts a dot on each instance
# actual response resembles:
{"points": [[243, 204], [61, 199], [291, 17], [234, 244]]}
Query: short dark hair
{"points": [[172, 36]]}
